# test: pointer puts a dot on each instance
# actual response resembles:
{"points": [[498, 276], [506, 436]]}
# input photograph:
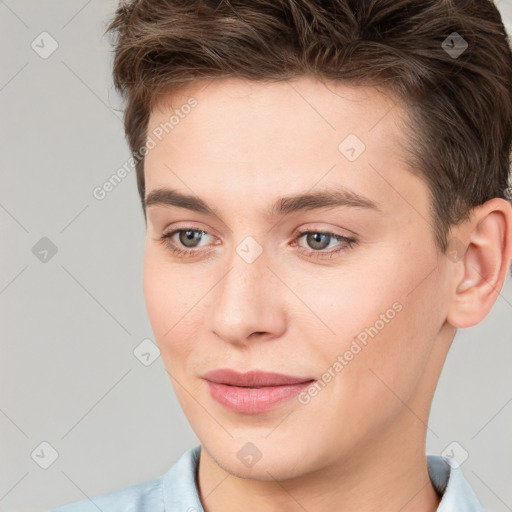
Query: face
{"points": [[341, 289]]}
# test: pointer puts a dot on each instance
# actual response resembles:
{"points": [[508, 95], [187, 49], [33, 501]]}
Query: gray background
{"points": [[70, 324]]}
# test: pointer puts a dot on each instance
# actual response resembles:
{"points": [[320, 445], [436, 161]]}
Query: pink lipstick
{"points": [[255, 391]]}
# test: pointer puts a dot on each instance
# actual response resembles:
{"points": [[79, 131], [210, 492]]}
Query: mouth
{"points": [[255, 391], [253, 379]]}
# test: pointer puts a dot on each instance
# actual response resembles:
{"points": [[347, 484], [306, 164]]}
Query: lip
{"points": [[255, 391]]}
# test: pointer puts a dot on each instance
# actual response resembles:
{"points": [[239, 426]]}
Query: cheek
{"points": [[157, 295], [343, 301], [170, 291], [384, 315], [398, 338], [172, 302]]}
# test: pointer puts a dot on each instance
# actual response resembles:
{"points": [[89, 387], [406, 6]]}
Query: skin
{"points": [[359, 444]]}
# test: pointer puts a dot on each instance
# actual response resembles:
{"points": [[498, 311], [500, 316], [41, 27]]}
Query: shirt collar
{"points": [[449, 481], [180, 489]]}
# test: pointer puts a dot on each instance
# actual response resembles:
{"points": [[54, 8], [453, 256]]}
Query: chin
{"points": [[247, 461]]}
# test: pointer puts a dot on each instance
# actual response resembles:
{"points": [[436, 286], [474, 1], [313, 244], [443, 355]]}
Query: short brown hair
{"points": [[459, 106]]}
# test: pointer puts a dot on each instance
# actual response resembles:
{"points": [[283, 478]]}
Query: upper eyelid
{"points": [[172, 232], [297, 235], [296, 232]]}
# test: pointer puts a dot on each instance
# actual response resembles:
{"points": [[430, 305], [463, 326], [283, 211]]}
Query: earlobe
{"points": [[484, 245]]}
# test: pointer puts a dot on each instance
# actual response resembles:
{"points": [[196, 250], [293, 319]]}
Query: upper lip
{"points": [[253, 378]]}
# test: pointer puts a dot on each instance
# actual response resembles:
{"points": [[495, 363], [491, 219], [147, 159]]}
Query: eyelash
{"points": [[320, 253]]}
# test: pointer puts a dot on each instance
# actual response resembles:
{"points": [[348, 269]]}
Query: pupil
{"points": [[190, 235], [317, 237]]}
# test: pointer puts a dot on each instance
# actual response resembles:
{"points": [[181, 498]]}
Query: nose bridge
{"points": [[245, 283], [248, 268], [245, 300]]}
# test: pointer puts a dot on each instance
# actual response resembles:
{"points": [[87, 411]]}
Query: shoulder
{"points": [[173, 491], [143, 497]]}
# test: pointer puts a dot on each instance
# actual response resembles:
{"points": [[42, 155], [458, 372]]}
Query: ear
{"points": [[481, 252]]}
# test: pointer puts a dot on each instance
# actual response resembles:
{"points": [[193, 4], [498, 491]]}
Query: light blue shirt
{"points": [[176, 490]]}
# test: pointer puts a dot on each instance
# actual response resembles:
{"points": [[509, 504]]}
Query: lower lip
{"points": [[254, 400]]}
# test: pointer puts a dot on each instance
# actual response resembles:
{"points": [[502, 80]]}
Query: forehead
{"points": [[243, 139], [233, 113], [321, 103]]}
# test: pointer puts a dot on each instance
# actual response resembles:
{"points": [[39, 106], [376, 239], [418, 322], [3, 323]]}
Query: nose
{"points": [[247, 304]]}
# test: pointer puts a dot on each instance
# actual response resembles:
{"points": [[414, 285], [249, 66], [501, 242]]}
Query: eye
{"points": [[189, 240], [188, 237], [320, 240]]}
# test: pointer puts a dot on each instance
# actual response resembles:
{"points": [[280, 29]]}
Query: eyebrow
{"points": [[301, 202]]}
